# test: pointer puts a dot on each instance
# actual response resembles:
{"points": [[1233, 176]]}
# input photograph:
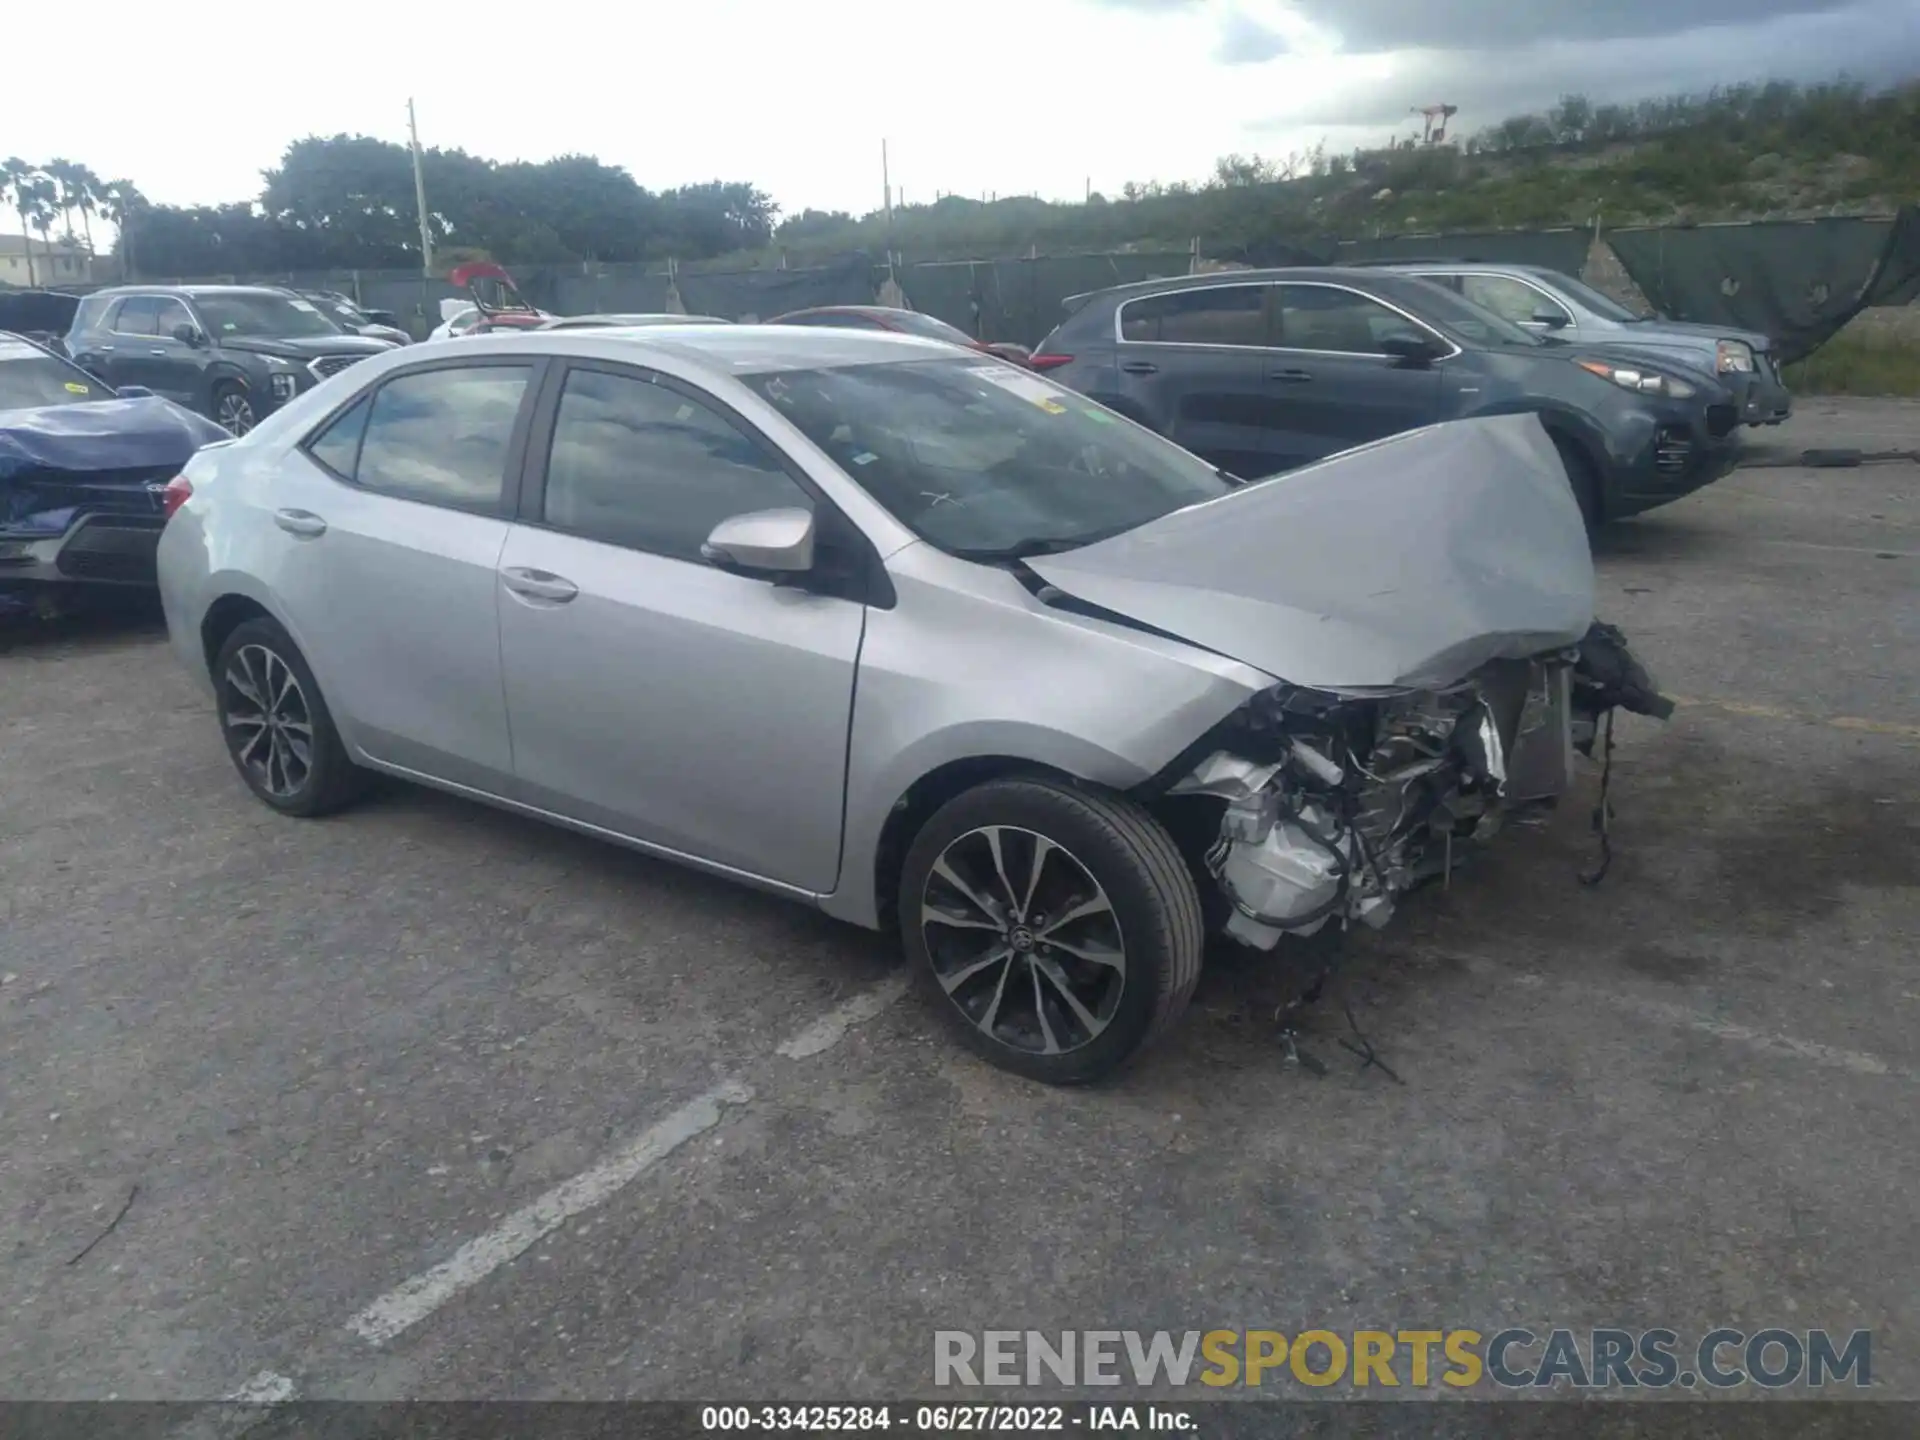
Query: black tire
{"points": [[232, 402], [1133, 865], [1584, 479], [260, 654]]}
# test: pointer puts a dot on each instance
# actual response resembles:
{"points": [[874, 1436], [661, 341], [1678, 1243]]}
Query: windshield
{"points": [[262, 316], [914, 323], [1605, 306], [31, 378], [341, 311], [1468, 320], [987, 461]]}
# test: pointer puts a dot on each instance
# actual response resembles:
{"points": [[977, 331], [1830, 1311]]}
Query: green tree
{"points": [[16, 185]]}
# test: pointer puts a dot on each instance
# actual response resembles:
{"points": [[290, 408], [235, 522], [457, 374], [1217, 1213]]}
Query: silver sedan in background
{"points": [[913, 636]]}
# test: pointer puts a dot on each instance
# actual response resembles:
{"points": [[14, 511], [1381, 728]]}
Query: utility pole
{"points": [[420, 197], [886, 187]]}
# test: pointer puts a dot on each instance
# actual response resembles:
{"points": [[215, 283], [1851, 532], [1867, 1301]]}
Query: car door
{"points": [[388, 524], [651, 693], [125, 352], [1329, 386], [1189, 363], [165, 364]]}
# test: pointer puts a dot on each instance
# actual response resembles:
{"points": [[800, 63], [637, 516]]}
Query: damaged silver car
{"points": [[923, 640]]}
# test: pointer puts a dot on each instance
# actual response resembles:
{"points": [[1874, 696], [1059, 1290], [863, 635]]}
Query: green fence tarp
{"points": [[1796, 281], [1562, 250], [1022, 300], [749, 295]]}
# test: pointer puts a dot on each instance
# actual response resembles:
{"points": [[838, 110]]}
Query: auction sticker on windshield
{"points": [[1036, 392]]}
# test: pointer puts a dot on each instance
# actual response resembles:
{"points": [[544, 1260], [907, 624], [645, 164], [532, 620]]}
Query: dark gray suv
{"points": [[1262, 371], [234, 353]]}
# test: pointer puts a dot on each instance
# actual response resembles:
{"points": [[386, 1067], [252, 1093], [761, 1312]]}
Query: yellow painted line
{"points": [[1775, 712]]}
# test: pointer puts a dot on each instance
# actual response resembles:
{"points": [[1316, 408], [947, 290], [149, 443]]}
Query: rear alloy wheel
{"points": [[277, 727], [233, 410], [1056, 929]]}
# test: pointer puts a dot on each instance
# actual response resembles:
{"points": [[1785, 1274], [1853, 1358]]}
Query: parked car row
{"points": [[1264, 371], [1256, 372]]}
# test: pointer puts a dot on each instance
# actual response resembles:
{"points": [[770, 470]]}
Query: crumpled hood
{"points": [[1409, 562], [102, 435]]}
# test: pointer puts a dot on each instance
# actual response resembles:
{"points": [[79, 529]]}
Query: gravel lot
{"points": [[328, 1055]]}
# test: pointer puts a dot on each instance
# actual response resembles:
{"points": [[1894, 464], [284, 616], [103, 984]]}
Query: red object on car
{"points": [[496, 297], [177, 492]]}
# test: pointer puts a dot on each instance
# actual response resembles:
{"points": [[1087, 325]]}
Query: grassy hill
{"points": [[1747, 152]]}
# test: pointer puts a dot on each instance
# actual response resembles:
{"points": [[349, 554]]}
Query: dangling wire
{"points": [[1603, 812]]}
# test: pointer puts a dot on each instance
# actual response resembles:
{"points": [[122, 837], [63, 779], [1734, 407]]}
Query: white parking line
{"points": [[828, 1030], [1833, 1057], [412, 1301], [266, 1388]]}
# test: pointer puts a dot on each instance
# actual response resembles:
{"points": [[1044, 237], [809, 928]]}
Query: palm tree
{"points": [[60, 178], [121, 203], [16, 184], [86, 199], [43, 201]]}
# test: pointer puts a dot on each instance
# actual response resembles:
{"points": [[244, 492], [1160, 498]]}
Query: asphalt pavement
{"points": [[427, 1101]]}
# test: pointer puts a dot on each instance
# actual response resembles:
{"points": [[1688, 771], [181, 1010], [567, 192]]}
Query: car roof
{"points": [[729, 349], [137, 289], [641, 317], [1324, 274], [1468, 266]]}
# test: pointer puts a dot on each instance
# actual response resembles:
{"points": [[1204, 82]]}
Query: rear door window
{"points": [[137, 315], [1326, 318], [441, 436], [1216, 315]]}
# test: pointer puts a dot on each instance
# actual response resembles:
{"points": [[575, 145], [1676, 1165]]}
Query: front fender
{"points": [[970, 665]]}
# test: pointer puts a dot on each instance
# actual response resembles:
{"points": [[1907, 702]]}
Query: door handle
{"points": [[1290, 377], [157, 352], [1140, 367], [539, 585], [303, 523]]}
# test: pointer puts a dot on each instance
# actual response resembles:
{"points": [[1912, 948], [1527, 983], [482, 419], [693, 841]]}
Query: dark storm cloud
{"points": [[1372, 26], [1873, 41], [1375, 26]]}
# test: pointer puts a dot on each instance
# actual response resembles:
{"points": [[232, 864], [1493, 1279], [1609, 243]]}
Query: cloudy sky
{"points": [[1007, 96]]}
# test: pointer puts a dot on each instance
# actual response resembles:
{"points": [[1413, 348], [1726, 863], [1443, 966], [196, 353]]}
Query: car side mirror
{"points": [[765, 542], [186, 334], [1551, 319], [1409, 348], [133, 392]]}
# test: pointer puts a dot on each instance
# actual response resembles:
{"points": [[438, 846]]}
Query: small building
{"points": [[52, 266]]}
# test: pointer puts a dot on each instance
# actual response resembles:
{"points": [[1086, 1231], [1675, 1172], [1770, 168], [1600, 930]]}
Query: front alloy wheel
{"points": [[1024, 940], [1055, 927]]}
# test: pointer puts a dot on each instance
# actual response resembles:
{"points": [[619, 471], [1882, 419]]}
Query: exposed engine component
{"points": [[1337, 804]]}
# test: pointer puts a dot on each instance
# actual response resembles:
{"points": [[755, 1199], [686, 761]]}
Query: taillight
{"points": [[177, 492], [1049, 362]]}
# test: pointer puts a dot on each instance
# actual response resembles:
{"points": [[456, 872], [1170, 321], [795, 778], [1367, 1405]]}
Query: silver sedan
{"points": [[912, 636]]}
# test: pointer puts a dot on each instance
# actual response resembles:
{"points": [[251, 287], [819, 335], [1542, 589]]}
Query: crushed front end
{"points": [[1333, 805]]}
